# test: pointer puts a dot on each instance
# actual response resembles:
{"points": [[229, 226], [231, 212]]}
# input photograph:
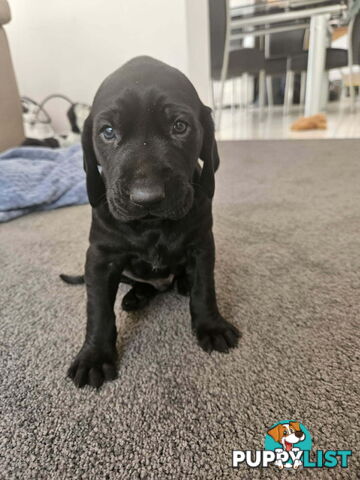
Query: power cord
{"points": [[38, 123]]}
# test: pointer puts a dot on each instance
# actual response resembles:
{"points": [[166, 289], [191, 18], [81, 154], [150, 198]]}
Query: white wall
{"points": [[198, 43], [69, 46]]}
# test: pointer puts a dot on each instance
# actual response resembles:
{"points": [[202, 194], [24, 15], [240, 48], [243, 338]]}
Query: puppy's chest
{"points": [[157, 263]]}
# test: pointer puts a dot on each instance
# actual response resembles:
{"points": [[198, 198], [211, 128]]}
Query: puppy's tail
{"points": [[72, 279]]}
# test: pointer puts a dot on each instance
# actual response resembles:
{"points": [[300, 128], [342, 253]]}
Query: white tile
{"points": [[250, 124]]}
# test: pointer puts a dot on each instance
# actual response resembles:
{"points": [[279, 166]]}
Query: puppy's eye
{"points": [[108, 132], [180, 127]]}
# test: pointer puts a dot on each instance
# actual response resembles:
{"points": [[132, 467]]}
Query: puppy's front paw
{"points": [[93, 366], [219, 336]]}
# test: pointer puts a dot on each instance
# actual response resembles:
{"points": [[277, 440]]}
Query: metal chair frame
{"points": [[264, 83], [289, 83], [224, 70]]}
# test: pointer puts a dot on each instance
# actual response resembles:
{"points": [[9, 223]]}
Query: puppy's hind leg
{"points": [[138, 296]]}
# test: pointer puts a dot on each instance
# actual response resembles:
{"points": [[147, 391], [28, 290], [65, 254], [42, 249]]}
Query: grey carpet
{"points": [[287, 226]]}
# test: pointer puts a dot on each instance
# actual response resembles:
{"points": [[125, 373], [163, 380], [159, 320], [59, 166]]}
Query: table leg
{"points": [[316, 63]]}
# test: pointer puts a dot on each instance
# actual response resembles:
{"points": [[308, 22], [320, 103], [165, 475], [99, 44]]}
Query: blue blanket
{"points": [[34, 179]]}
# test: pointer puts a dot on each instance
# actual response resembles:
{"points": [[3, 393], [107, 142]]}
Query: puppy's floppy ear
{"points": [[94, 183], [276, 432], [209, 152], [295, 426]]}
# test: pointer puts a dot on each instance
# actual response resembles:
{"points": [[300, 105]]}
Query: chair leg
{"points": [[289, 91], [350, 65], [213, 95], [325, 90], [245, 80], [235, 92], [269, 91], [302, 88], [220, 103], [352, 89], [239, 92], [224, 71], [343, 88], [262, 89], [233, 101]]}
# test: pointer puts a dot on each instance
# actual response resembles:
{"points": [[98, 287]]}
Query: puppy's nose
{"points": [[147, 196], [299, 434]]}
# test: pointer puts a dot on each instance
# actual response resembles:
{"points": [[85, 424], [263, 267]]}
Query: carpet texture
{"points": [[287, 229]]}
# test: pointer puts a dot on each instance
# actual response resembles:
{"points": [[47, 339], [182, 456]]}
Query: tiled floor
{"points": [[250, 124]]}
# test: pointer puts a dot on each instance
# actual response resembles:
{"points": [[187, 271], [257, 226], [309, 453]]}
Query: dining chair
{"points": [[279, 47], [336, 58], [229, 58]]}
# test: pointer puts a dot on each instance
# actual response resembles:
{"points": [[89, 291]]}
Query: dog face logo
{"points": [[287, 434], [288, 439]]}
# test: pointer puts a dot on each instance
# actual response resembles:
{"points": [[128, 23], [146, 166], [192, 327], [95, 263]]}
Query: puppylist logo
{"points": [[288, 445]]}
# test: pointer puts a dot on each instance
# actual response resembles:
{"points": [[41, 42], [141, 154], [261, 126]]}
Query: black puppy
{"points": [[151, 208]]}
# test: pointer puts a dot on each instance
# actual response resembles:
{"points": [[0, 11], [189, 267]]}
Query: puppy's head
{"points": [[287, 434], [147, 142]]}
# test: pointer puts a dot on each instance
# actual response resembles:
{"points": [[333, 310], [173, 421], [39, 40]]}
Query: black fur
{"points": [[72, 279], [169, 239]]}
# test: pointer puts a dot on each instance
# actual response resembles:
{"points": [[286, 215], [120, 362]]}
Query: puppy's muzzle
{"points": [[147, 196]]}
